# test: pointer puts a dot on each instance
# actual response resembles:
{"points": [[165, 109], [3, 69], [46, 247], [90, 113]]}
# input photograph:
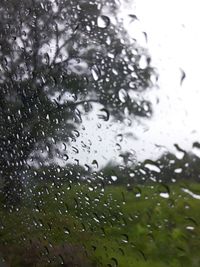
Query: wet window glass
{"points": [[99, 133]]}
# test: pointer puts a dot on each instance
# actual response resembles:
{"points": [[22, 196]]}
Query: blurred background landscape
{"points": [[99, 133]]}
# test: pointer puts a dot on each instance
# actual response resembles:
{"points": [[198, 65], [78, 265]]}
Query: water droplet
{"points": [[77, 66], [143, 62], [179, 154], [133, 17], [196, 149], [95, 73], [183, 75], [190, 228], [125, 238], [189, 192], [114, 178], [152, 167], [178, 170], [118, 147], [95, 163], [119, 137], [115, 262], [122, 95], [137, 191], [65, 157], [164, 194], [75, 149], [76, 133], [104, 114], [46, 58], [87, 167], [103, 22], [66, 230]]}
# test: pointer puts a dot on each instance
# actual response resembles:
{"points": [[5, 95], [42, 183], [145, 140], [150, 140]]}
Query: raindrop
{"points": [[103, 22], [66, 230], [196, 149], [118, 147], [132, 85], [95, 73], [77, 116], [143, 62], [137, 191], [125, 238], [178, 170], [192, 221], [87, 167], [75, 149], [76, 161], [46, 58], [190, 228], [76, 133], [142, 253], [183, 75], [77, 66], [164, 191], [61, 260], [122, 251], [64, 146], [119, 138], [115, 262], [128, 122], [122, 95], [104, 115], [145, 36], [179, 155], [65, 157], [95, 163], [138, 194], [164, 194], [133, 17], [114, 178], [152, 167], [189, 192]]}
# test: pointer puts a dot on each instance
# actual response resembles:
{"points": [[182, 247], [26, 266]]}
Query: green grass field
{"points": [[80, 225]]}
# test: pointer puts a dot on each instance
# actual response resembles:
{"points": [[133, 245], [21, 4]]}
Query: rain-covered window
{"points": [[99, 133]]}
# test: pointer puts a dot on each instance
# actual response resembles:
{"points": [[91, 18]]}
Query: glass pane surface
{"points": [[99, 133]]}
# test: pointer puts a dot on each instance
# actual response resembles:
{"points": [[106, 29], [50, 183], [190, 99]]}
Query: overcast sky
{"points": [[172, 28]]}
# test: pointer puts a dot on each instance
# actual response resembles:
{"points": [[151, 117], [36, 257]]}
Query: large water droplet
{"points": [[122, 95], [189, 192], [143, 62], [95, 73], [104, 114], [152, 167], [114, 178], [164, 194], [103, 22], [178, 170]]}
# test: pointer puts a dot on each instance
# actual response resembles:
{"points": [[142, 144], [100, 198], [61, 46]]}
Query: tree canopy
{"points": [[58, 58]]}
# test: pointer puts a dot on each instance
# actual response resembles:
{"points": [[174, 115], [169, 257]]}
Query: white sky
{"points": [[174, 41], [173, 33]]}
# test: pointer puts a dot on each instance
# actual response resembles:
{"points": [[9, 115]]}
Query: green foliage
{"points": [[122, 228], [166, 169]]}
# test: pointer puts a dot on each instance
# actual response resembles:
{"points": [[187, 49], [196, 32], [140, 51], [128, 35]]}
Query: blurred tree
{"points": [[168, 168], [57, 58]]}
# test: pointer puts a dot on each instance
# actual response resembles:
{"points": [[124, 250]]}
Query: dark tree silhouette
{"points": [[56, 59]]}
